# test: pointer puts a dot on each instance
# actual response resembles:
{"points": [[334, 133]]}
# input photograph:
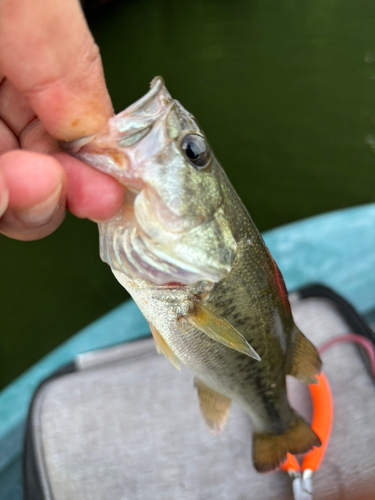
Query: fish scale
{"points": [[188, 252]]}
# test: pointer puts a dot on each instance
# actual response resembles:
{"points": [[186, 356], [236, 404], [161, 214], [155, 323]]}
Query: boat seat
{"points": [[125, 425]]}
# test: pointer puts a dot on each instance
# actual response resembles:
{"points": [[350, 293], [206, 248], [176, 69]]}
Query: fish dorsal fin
{"points": [[163, 348], [218, 329], [214, 406], [306, 362]]}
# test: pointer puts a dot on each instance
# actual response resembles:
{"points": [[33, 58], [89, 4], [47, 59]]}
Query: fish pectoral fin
{"points": [[270, 449], [305, 363], [218, 329], [163, 348], [214, 406]]}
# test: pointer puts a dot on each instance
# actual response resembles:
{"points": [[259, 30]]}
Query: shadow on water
{"points": [[285, 92]]}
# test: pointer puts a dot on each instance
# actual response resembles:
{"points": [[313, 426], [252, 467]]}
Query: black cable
{"points": [[351, 316]]}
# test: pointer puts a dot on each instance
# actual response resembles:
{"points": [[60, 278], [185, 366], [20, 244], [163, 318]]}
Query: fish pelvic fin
{"points": [[218, 329], [163, 348], [269, 450], [213, 405], [305, 363]]}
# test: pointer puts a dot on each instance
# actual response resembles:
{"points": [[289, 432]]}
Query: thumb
{"points": [[47, 52]]}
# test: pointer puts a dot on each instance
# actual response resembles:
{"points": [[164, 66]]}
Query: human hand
{"points": [[51, 88]]}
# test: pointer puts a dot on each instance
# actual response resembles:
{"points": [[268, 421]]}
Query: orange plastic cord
{"points": [[322, 421], [291, 463], [322, 424]]}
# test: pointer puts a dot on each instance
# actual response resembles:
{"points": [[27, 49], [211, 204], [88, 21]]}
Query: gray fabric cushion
{"points": [[129, 427]]}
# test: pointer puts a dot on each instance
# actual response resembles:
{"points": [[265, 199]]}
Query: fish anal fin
{"points": [[163, 348], [218, 329], [214, 407], [305, 363], [270, 450]]}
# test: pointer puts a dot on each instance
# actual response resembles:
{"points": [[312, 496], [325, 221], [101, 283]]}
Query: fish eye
{"points": [[196, 151]]}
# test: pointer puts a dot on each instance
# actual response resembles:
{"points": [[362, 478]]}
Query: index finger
{"points": [[48, 52]]}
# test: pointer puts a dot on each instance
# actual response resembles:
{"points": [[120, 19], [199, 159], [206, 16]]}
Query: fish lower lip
{"points": [[148, 219], [140, 260], [148, 250], [145, 213]]}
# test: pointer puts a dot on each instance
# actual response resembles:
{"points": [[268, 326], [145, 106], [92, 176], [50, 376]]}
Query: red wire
{"points": [[358, 339]]}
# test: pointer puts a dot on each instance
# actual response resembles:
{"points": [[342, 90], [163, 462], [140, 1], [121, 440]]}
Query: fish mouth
{"points": [[110, 150], [176, 242], [144, 249]]}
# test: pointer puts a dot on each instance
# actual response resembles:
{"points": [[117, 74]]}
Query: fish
{"points": [[186, 249]]}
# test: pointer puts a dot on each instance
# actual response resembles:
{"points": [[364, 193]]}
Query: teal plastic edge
{"points": [[337, 249]]}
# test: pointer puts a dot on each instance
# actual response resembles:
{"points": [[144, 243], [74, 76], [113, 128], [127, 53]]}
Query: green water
{"points": [[285, 91]]}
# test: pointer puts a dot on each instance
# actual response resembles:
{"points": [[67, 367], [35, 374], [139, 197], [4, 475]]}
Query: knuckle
{"points": [[12, 227]]}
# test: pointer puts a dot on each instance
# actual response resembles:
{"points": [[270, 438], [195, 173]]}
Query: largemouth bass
{"points": [[186, 249]]}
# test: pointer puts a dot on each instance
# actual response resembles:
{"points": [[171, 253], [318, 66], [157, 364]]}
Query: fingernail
{"points": [[4, 200], [43, 212]]}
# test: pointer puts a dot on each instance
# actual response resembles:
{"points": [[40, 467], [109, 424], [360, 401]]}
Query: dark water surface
{"points": [[285, 91]]}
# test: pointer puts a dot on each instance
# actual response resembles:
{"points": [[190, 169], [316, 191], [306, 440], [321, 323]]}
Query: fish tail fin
{"points": [[269, 450], [305, 363]]}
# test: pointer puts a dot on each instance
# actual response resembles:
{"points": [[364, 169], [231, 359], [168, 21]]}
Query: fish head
{"points": [[173, 226]]}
